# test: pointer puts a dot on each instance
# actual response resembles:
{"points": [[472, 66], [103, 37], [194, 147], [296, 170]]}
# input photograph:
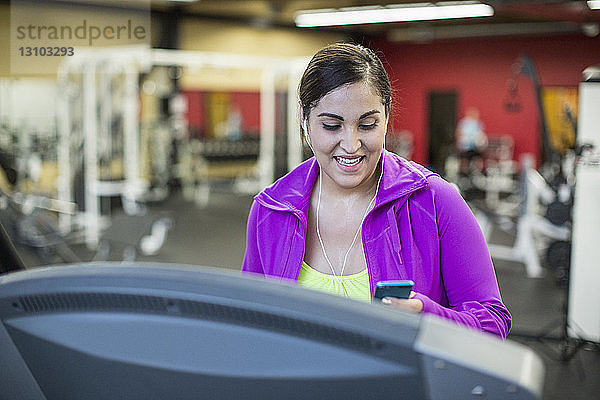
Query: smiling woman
{"points": [[355, 214]]}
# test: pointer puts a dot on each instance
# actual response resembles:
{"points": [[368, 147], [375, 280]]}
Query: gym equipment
{"points": [[273, 72], [161, 124], [580, 325], [532, 227], [31, 221], [525, 65], [166, 331], [584, 296], [550, 191], [97, 131], [558, 260], [101, 69], [204, 162], [490, 175]]}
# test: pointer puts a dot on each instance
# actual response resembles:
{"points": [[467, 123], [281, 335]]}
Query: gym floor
{"points": [[215, 236]]}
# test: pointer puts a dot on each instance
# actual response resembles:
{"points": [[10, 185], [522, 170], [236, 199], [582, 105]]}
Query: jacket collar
{"points": [[400, 178], [292, 192]]}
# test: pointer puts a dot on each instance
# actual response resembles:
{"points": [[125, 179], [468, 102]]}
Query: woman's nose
{"points": [[350, 142]]}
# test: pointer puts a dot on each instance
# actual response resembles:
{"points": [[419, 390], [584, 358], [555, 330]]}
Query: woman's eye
{"points": [[330, 127], [368, 127]]}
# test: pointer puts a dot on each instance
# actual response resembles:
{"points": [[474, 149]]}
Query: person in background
{"points": [[471, 139], [355, 214]]}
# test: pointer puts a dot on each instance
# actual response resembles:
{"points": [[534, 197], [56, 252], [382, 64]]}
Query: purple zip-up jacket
{"points": [[420, 229]]}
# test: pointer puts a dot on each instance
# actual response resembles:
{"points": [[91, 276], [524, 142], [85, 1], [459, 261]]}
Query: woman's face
{"points": [[347, 130]]}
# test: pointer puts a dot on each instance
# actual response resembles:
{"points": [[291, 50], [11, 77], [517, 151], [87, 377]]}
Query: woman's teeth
{"points": [[348, 161]]}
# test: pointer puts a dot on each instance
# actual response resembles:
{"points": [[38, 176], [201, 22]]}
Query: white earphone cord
{"points": [[355, 235]]}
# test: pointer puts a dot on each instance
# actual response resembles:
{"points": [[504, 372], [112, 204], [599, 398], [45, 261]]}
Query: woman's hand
{"points": [[410, 304]]}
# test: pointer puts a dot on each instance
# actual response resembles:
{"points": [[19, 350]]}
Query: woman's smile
{"points": [[349, 163]]}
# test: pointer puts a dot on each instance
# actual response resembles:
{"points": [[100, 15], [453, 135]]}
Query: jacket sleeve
{"points": [[252, 261], [466, 267]]}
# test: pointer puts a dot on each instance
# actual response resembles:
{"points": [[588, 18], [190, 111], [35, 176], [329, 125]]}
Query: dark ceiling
{"points": [[511, 17]]}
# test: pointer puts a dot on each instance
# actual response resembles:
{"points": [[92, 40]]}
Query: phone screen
{"points": [[399, 289]]}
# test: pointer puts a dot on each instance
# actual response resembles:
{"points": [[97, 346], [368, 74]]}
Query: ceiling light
{"points": [[392, 13], [594, 4]]}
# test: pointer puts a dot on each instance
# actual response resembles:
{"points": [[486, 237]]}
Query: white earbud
{"points": [[306, 135]]}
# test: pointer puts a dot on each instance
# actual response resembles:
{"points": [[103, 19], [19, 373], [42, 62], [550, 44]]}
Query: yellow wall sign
{"points": [[560, 109]]}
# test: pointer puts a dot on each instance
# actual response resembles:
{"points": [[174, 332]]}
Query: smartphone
{"points": [[399, 289]]}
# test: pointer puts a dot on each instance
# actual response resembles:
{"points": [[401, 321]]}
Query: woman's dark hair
{"points": [[341, 64]]}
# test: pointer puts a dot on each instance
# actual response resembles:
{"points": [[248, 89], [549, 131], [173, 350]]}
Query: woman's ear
{"points": [[304, 122], [306, 134], [302, 118]]}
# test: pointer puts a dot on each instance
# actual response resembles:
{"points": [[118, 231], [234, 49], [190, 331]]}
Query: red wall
{"points": [[195, 111], [248, 103], [478, 70]]}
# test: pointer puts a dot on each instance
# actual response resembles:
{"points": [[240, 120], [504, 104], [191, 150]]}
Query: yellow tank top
{"points": [[356, 285]]}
